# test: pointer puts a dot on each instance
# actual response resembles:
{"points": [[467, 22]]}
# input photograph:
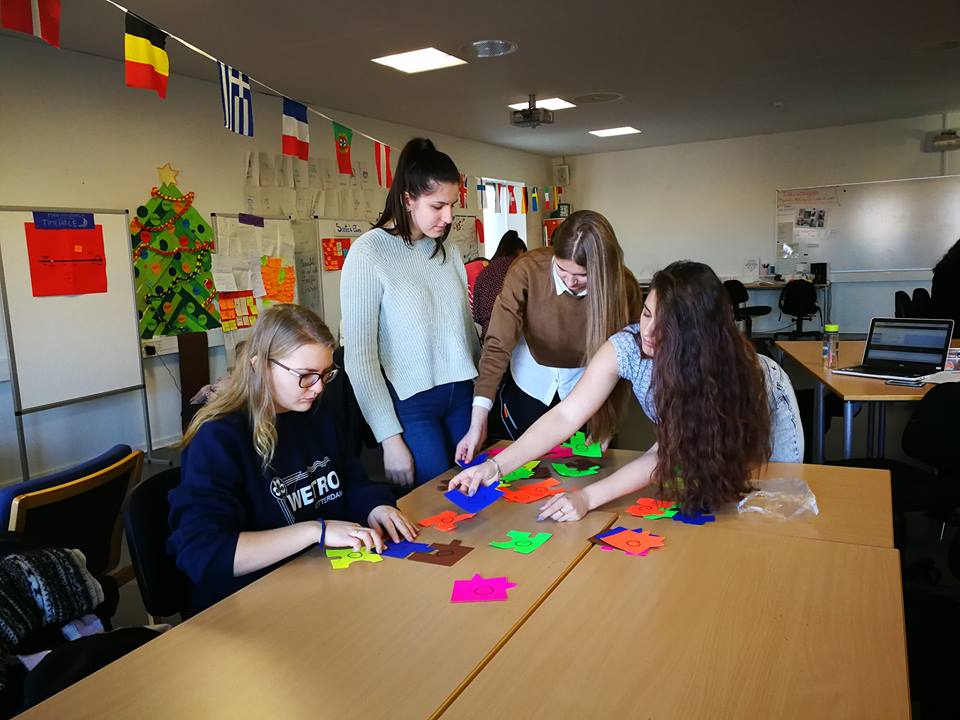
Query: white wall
{"points": [[72, 135], [715, 201]]}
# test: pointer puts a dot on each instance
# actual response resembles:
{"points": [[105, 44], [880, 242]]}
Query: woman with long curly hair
{"points": [[721, 410]]}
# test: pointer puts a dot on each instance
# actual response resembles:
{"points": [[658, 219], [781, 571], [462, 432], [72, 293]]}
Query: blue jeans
{"points": [[433, 423]]}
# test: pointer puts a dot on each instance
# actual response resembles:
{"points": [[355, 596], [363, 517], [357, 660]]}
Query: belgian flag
{"points": [[147, 64]]}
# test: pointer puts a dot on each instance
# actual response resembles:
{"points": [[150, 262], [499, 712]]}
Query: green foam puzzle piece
{"points": [[567, 471], [522, 542], [578, 443]]}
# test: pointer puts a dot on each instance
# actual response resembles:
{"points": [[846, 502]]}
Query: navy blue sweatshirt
{"points": [[224, 491]]}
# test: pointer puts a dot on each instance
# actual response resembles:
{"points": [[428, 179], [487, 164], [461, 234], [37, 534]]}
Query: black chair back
{"points": [[922, 305], [83, 513], [902, 305], [799, 299], [163, 587], [736, 291]]}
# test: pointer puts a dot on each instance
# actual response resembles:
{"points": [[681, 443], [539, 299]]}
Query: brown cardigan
{"points": [[554, 326]]}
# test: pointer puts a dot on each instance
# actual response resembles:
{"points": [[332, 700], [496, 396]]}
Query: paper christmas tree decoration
{"points": [[171, 263]]}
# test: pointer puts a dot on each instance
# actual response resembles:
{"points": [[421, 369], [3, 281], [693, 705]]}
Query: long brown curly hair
{"points": [[708, 391]]}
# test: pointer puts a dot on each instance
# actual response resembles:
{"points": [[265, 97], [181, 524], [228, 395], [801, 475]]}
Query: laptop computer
{"points": [[900, 348]]}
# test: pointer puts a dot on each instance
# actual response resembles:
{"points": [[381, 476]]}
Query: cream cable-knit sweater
{"points": [[407, 314]]}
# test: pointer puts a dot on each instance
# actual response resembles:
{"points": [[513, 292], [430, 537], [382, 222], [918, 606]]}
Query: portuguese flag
{"points": [[147, 65], [343, 140]]}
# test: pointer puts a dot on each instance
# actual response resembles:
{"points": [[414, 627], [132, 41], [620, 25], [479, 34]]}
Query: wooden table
{"points": [[745, 617], [713, 625], [373, 640], [855, 504], [808, 354]]}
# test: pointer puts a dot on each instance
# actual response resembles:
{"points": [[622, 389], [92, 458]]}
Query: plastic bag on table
{"points": [[783, 498]]}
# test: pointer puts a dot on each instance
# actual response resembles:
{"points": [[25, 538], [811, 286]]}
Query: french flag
{"points": [[382, 155], [296, 132], [40, 18]]}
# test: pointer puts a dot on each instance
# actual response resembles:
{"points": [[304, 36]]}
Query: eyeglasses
{"points": [[311, 379]]}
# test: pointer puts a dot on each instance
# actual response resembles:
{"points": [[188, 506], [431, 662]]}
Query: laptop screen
{"points": [[907, 342]]}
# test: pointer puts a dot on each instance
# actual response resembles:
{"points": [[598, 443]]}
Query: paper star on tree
{"points": [[168, 176]]}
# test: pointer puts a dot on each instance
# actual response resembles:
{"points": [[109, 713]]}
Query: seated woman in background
{"points": [[264, 475], [721, 410], [490, 280]]}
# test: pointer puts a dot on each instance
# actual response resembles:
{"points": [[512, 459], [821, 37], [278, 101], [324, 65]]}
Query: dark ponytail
{"points": [[420, 169]]}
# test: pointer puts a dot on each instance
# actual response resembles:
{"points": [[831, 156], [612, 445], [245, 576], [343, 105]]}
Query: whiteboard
{"points": [[319, 288], [67, 347], [896, 225]]}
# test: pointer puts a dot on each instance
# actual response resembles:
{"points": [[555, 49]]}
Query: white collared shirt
{"points": [[540, 381]]}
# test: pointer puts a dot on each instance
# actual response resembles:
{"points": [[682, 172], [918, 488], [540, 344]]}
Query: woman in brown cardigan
{"points": [[558, 305]]}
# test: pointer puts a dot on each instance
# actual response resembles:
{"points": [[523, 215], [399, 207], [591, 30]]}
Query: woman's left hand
{"points": [[566, 507], [388, 520]]}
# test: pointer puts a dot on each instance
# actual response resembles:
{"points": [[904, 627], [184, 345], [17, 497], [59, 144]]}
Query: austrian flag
{"points": [[296, 132], [40, 18], [382, 155]]}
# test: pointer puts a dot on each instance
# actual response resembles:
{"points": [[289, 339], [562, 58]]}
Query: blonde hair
{"points": [[280, 331], [588, 239]]}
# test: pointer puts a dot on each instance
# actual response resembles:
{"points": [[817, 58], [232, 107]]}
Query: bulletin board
{"points": [[70, 308]]}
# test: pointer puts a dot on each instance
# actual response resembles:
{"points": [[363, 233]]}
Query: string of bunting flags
{"points": [[147, 66]]}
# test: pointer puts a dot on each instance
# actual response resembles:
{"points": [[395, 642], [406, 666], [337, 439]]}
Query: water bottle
{"points": [[831, 346]]}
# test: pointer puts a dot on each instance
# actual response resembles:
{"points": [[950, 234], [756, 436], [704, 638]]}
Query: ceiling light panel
{"points": [[417, 61]]}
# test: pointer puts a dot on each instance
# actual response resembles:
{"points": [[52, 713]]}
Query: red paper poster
{"points": [[66, 262], [334, 253]]}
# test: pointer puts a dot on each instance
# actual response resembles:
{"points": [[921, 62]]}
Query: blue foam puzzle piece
{"points": [[613, 531], [695, 519], [404, 548], [484, 497], [481, 458]]}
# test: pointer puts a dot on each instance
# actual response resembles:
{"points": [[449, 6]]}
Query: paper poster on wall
{"points": [[279, 280], [463, 234], [789, 201], [238, 310], [172, 245], [65, 261], [334, 253]]}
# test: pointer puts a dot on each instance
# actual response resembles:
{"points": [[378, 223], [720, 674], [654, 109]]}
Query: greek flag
{"points": [[237, 101]]}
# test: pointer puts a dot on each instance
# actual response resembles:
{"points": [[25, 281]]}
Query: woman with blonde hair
{"points": [[264, 475], [557, 307]]}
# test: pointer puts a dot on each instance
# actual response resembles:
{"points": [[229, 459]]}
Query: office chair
{"points": [[921, 303], [163, 586], [932, 610], [798, 299], [77, 508], [903, 306], [744, 313]]}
